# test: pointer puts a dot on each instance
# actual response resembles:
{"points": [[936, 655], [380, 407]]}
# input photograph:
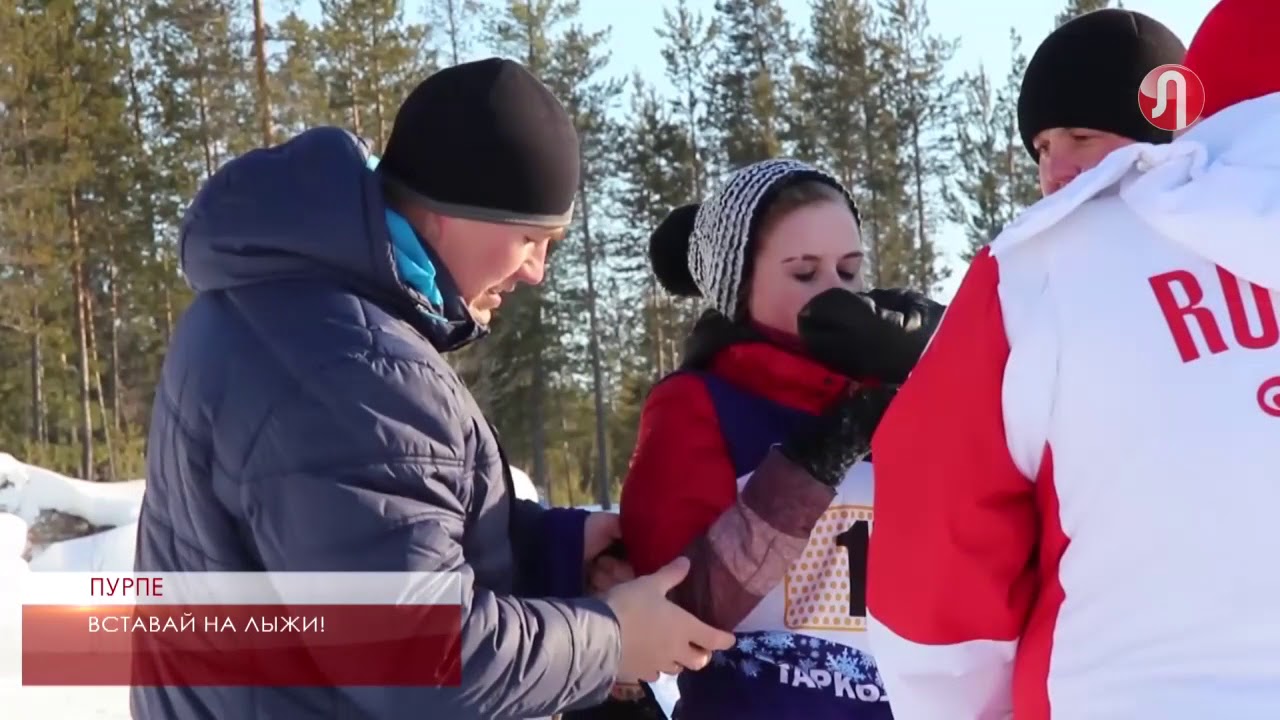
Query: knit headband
{"points": [[704, 250]]}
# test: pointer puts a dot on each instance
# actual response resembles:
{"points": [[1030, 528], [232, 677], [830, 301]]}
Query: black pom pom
{"points": [[669, 251]]}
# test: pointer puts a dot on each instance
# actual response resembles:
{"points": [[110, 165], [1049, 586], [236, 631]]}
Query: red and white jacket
{"points": [[1077, 489]]}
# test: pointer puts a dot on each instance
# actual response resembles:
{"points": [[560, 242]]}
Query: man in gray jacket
{"points": [[306, 419]]}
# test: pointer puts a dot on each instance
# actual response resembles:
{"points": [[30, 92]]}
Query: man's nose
{"points": [[534, 268], [1062, 170]]}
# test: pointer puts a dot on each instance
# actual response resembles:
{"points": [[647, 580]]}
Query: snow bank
{"points": [[26, 491], [13, 536], [39, 507], [108, 551]]}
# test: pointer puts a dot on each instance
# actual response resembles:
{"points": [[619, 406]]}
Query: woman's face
{"points": [[807, 250]]}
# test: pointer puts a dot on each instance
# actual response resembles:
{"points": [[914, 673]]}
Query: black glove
{"points": [[878, 334], [842, 435]]}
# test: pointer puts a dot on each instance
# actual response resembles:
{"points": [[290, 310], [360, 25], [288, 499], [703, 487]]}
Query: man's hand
{"points": [[657, 635], [879, 334], [607, 572], [599, 532], [604, 571]]}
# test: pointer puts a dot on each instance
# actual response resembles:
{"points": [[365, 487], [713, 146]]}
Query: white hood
{"points": [[1218, 191], [1215, 190]]}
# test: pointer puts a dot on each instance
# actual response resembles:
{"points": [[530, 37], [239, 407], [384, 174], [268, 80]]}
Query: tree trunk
{"points": [[355, 96], [96, 376], [202, 106], [597, 367], [39, 421], [454, 30], [260, 61], [39, 418], [922, 240], [657, 323], [571, 496], [113, 319], [82, 337], [146, 191], [538, 389], [870, 217]]}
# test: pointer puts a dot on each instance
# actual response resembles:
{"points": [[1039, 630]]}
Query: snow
{"points": [[13, 536], [109, 551], [26, 491]]}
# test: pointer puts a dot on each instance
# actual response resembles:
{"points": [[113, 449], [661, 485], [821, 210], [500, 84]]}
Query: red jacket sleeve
{"points": [[681, 498], [951, 577], [681, 478]]}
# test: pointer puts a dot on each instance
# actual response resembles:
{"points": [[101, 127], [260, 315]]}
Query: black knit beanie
{"points": [[705, 249], [485, 140], [1086, 74]]}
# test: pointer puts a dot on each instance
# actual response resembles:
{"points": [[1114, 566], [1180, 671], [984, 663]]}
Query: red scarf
{"points": [[793, 344], [785, 340]]}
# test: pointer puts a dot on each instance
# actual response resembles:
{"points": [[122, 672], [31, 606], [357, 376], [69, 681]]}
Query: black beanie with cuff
{"points": [[1086, 74]]}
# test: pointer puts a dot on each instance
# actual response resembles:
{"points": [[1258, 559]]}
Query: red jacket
{"points": [[681, 478]]}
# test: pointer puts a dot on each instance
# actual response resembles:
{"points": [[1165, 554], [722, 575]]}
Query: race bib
{"points": [[826, 588]]}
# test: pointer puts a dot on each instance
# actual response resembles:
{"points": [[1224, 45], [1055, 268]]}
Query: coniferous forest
{"points": [[113, 112]]}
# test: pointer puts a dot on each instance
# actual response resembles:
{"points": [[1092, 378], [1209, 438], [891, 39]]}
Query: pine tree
{"points": [[653, 178], [454, 22], [920, 95], [300, 95], [27, 225], [689, 39], [885, 201], [836, 83], [373, 57], [523, 358], [751, 83], [994, 178], [576, 78]]}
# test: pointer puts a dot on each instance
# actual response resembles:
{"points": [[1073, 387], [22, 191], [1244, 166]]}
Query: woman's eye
{"points": [[805, 277], [848, 276]]}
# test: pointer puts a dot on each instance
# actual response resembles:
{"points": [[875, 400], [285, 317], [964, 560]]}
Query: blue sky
{"points": [[981, 26]]}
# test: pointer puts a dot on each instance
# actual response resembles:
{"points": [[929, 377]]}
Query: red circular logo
{"points": [[1171, 97], [1269, 396]]}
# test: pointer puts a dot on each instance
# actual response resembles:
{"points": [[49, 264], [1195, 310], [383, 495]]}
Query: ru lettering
{"points": [[1180, 297]]}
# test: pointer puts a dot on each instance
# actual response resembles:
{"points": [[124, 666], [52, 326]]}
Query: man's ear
{"points": [[428, 224]]}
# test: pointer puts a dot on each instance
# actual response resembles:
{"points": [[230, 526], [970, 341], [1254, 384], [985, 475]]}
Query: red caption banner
{"points": [[174, 639]]}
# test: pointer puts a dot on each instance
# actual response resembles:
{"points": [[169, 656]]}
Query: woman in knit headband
{"points": [[749, 459]]}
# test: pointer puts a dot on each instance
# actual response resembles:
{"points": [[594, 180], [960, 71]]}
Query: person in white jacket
{"points": [[1076, 491]]}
